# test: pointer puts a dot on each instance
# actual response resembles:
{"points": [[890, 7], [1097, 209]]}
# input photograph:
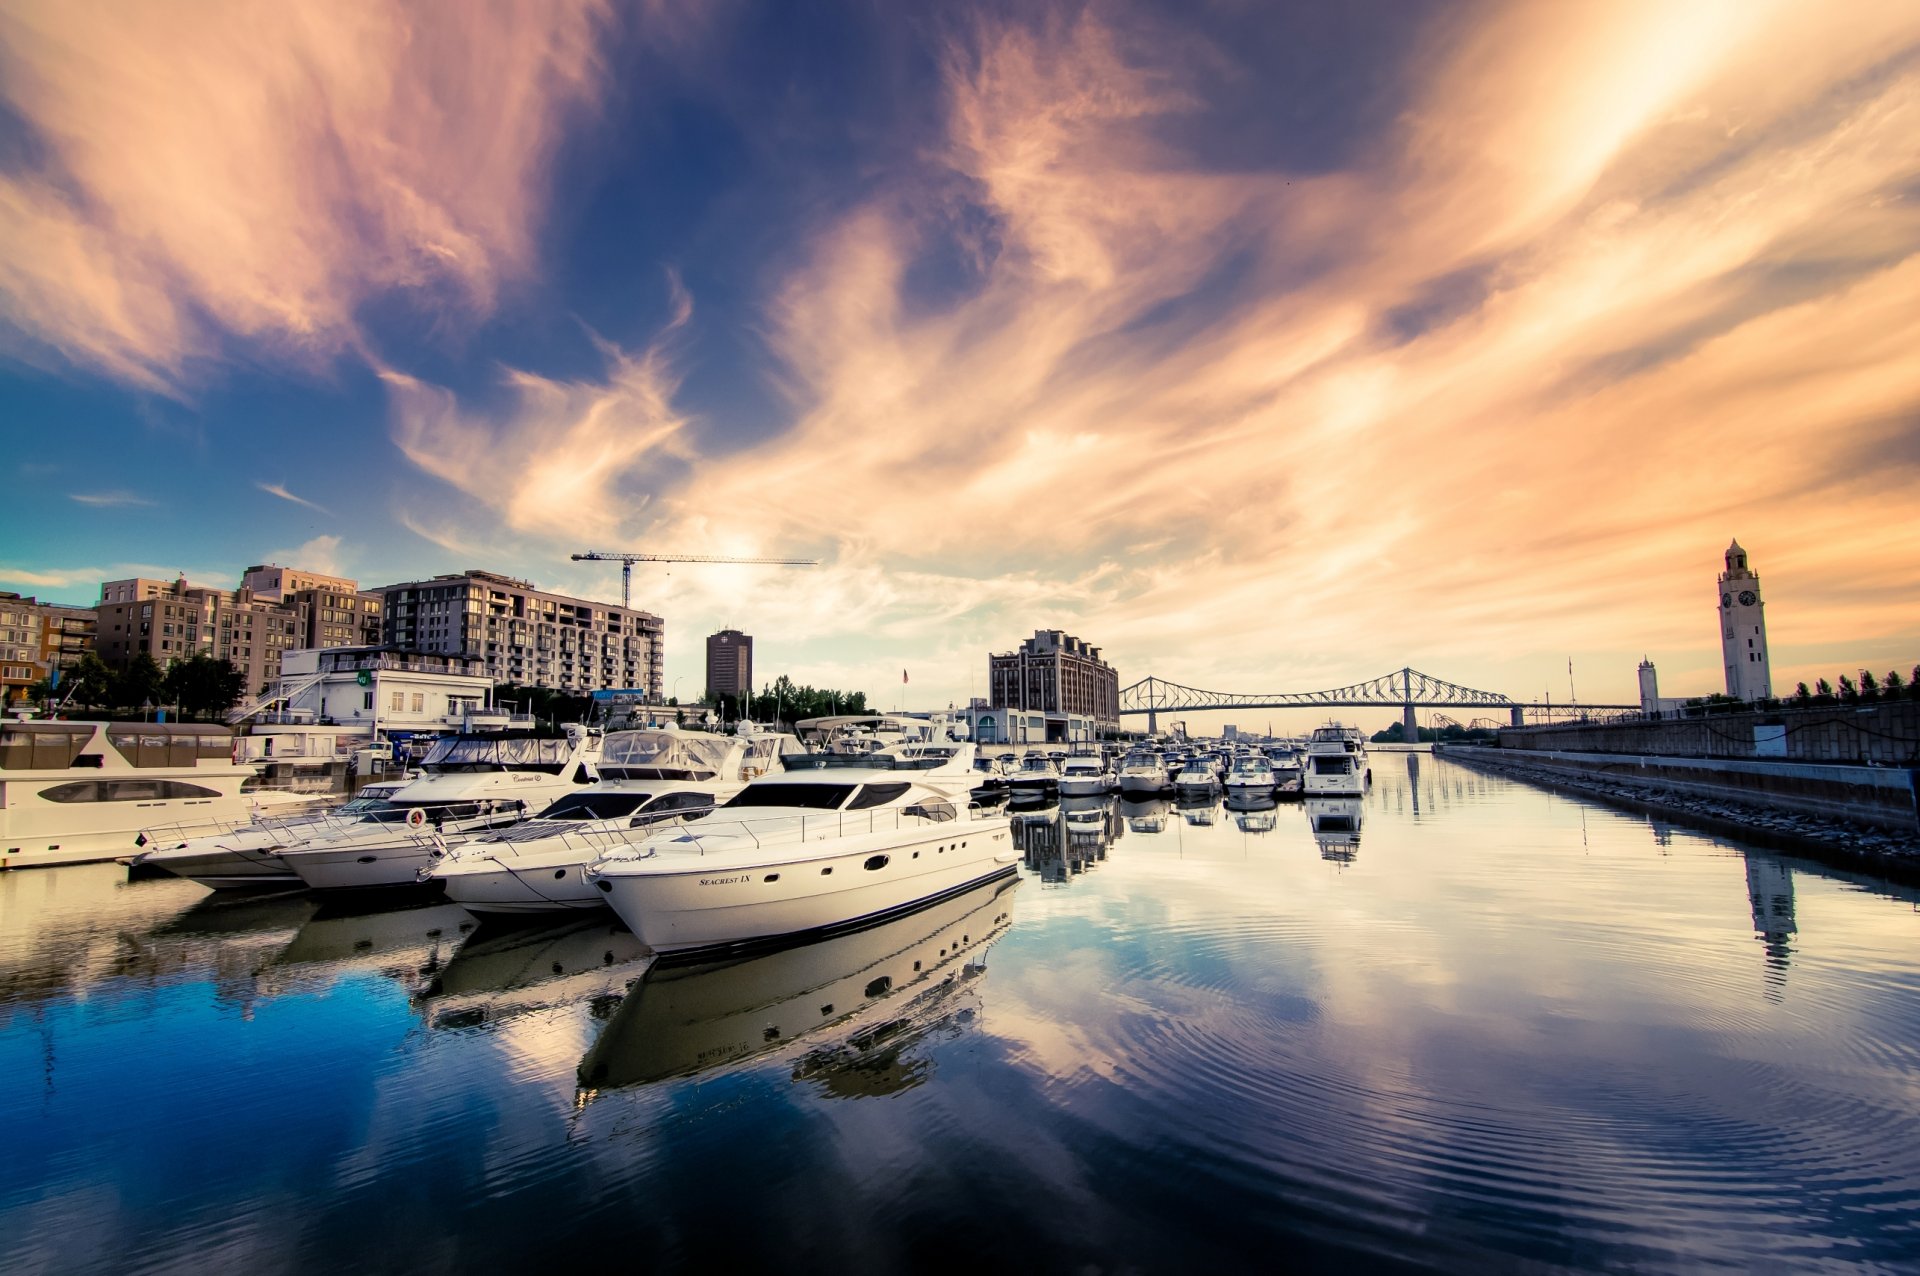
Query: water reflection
{"points": [[1147, 815], [1335, 822], [500, 973], [872, 994], [1253, 812], [405, 942], [1770, 896], [1061, 841]]}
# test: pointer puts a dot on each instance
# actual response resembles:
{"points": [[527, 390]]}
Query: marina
{"points": [[1455, 1021]]}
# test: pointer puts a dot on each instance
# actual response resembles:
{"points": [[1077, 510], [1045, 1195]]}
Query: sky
{"points": [[1268, 346]]}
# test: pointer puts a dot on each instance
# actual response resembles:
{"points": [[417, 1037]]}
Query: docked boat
{"points": [[1336, 761], [651, 778], [1144, 774], [802, 853], [469, 784], [1038, 775], [81, 792], [246, 856], [1196, 778], [1251, 773], [1085, 776]]}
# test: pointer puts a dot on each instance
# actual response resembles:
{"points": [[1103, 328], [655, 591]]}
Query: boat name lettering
{"points": [[724, 881]]}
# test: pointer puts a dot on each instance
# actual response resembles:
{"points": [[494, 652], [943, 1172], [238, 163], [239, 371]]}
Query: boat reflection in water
{"points": [[860, 999], [506, 971], [1061, 842], [1253, 812], [1197, 811], [405, 942], [1336, 826], [1145, 816]]}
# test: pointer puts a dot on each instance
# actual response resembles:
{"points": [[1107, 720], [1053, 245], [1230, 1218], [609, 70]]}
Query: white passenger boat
{"points": [[1336, 761], [650, 778], [469, 784], [802, 853], [1251, 773], [1144, 774], [1196, 778], [1038, 774], [79, 792], [245, 856], [1085, 776]]}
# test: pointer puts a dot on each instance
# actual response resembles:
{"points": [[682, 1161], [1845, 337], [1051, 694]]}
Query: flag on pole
{"points": [[903, 675]]}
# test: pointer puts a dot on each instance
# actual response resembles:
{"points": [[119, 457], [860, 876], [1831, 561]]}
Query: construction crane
{"points": [[627, 561]]}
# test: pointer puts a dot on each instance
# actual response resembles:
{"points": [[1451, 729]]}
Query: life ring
{"points": [[416, 817]]}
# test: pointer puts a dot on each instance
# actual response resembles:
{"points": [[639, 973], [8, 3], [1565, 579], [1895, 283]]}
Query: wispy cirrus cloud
{"points": [[279, 490], [109, 500], [260, 172]]}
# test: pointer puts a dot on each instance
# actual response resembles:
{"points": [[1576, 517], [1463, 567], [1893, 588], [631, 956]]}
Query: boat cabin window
{"points": [[670, 805], [1323, 765], [939, 812], [820, 797], [872, 795], [594, 806], [125, 791], [34, 747]]}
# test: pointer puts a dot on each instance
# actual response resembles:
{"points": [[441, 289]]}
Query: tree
{"points": [[1894, 683], [1848, 691], [1869, 687], [1800, 692], [204, 686], [1824, 689], [137, 685], [87, 681]]}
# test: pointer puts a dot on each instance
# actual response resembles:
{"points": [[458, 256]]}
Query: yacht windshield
{"points": [[663, 755], [819, 797], [594, 806], [498, 753]]}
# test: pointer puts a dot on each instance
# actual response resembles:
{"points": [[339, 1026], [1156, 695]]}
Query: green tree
{"points": [[138, 685], [1847, 690], [87, 681], [1894, 682], [1869, 686], [1823, 689], [1800, 692], [203, 686]]}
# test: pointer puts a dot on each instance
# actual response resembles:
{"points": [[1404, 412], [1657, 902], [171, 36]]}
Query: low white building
{"points": [[379, 689]]}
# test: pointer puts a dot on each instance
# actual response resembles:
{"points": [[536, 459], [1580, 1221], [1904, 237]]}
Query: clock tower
{"points": [[1743, 630]]}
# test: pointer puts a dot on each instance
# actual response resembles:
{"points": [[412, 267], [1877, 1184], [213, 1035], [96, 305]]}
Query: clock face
{"points": [[1726, 600], [1748, 598]]}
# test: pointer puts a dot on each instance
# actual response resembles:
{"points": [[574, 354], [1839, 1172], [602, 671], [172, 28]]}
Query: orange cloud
{"points": [[261, 170]]}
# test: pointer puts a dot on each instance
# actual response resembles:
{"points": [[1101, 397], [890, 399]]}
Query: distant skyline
{"points": [[1267, 347]]}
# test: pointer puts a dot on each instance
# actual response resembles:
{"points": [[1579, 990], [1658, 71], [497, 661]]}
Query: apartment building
{"points": [[527, 635], [36, 638], [173, 620], [1056, 673]]}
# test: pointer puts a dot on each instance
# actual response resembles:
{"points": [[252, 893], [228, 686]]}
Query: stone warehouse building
{"points": [[1056, 673], [526, 635]]}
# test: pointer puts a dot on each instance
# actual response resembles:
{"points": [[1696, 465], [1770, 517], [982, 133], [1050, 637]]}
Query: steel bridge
{"points": [[1404, 689]]}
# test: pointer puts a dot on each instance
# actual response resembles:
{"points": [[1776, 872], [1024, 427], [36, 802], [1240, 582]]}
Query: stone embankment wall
{"points": [[1884, 732]]}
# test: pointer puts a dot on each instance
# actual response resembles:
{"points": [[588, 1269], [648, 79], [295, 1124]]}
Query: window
{"points": [[398, 702], [125, 791], [872, 795], [366, 701], [419, 702]]}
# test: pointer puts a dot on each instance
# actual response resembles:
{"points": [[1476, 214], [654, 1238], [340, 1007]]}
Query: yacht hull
{"points": [[1143, 784], [519, 889], [369, 866], [685, 904], [223, 869]]}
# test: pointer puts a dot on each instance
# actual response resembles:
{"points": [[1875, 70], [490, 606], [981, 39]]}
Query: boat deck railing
{"points": [[788, 829]]}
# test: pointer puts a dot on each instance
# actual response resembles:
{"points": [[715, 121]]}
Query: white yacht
{"points": [[1336, 761], [79, 792], [1252, 773], [806, 852], [649, 778], [244, 856], [1085, 776], [1195, 778], [1144, 773], [469, 783], [1039, 774]]}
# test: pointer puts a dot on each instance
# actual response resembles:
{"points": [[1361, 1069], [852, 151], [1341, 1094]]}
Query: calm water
{"points": [[1494, 1028]]}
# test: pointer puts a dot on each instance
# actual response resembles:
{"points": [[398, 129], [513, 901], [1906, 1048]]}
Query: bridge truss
{"points": [[1405, 689]]}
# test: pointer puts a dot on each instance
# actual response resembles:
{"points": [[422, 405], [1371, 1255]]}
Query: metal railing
{"points": [[789, 829]]}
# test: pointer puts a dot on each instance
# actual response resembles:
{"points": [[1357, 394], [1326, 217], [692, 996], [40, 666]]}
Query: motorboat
{"points": [[245, 856], [1251, 773], [1196, 777], [81, 792], [1336, 761], [802, 853], [1144, 774], [1038, 774], [469, 784], [1084, 775], [689, 1017], [650, 777]]}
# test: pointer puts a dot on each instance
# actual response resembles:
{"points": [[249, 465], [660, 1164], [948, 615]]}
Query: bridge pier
{"points": [[1409, 726], [1153, 722], [1519, 716]]}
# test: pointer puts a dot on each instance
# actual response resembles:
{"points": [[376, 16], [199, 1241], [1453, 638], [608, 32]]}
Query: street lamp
{"points": [[676, 687]]}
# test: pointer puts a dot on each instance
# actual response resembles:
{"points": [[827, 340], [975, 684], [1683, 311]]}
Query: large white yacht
{"points": [[1144, 773], [1336, 761], [79, 792], [805, 852], [469, 783], [1251, 773], [648, 778], [244, 857]]}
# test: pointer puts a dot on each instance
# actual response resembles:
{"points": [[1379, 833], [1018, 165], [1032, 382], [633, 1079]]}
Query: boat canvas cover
{"points": [[545, 753], [664, 755]]}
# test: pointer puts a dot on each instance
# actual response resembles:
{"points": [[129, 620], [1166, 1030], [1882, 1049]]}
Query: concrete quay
{"points": [[1864, 817]]}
